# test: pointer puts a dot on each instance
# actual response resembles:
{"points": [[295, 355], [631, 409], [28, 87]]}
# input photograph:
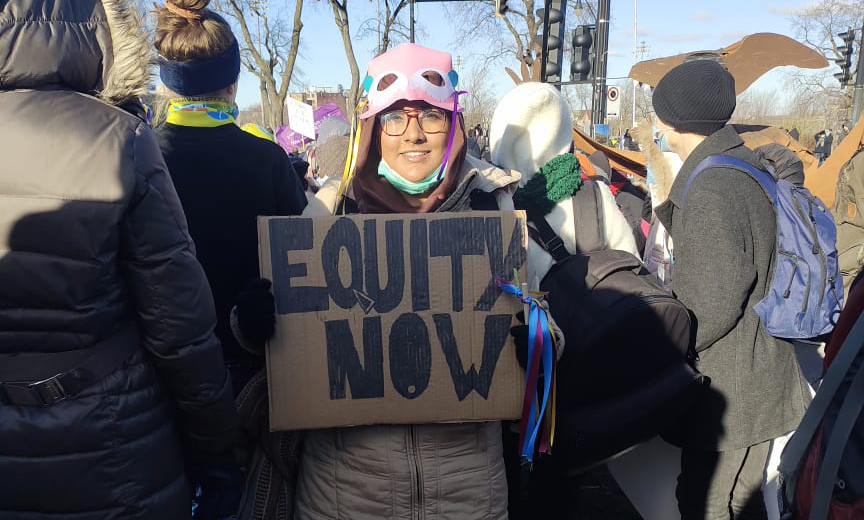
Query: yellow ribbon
{"points": [[351, 158]]}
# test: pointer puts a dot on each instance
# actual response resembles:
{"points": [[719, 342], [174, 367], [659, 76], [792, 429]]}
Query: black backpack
{"points": [[625, 375]]}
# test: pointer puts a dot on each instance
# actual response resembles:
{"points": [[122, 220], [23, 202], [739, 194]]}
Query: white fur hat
{"points": [[531, 125]]}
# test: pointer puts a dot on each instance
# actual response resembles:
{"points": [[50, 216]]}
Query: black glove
{"points": [[256, 312], [520, 338], [217, 483]]}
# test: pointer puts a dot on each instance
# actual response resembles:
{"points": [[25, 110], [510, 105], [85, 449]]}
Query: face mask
{"points": [[651, 179], [403, 184], [662, 142]]}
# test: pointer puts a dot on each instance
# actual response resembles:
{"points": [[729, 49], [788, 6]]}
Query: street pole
{"points": [[547, 5], [411, 23], [635, 46], [598, 105], [858, 89]]}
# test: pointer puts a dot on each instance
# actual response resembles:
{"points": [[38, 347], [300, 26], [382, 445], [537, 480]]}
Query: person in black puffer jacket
{"points": [[111, 375]]}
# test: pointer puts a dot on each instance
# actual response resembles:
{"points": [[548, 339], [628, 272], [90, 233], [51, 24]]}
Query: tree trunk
{"points": [[390, 19], [340, 14], [282, 93], [265, 103], [264, 57]]}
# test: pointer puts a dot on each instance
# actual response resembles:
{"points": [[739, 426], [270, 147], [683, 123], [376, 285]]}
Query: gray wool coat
{"points": [[724, 234]]}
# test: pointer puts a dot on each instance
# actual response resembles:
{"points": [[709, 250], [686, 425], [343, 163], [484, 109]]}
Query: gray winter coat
{"points": [[94, 250], [724, 237], [408, 472]]}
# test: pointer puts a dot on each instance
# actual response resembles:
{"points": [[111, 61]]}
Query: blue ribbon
{"points": [[536, 314]]}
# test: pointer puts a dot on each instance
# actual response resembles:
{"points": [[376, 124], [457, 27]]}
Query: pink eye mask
{"points": [[407, 68]]}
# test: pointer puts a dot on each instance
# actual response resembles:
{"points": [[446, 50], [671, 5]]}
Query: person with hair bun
{"points": [[225, 177]]}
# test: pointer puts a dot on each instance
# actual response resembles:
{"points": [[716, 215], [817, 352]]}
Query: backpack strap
{"points": [[588, 217], [765, 179], [588, 222], [796, 448], [848, 415], [548, 239]]}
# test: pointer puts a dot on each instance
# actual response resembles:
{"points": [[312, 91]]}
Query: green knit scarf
{"points": [[557, 179]]}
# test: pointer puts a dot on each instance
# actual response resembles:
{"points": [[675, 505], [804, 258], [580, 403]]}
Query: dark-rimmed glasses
{"points": [[431, 121]]}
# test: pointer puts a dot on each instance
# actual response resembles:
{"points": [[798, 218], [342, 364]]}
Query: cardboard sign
{"points": [[301, 117], [393, 319]]}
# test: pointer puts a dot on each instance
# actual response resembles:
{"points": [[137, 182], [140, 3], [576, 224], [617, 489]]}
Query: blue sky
{"points": [[666, 26]]}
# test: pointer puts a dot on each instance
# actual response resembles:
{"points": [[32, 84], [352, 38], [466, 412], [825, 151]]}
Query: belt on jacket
{"points": [[93, 364]]}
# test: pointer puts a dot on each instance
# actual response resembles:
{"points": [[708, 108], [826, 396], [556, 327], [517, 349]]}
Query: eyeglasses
{"points": [[431, 121]]}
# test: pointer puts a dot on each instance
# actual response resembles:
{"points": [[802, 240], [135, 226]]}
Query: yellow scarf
{"points": [[201, 112]]}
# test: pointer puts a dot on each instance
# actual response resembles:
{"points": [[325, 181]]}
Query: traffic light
{"points": [[501, 7], [845, 60], [581, 64], [553, 52]]}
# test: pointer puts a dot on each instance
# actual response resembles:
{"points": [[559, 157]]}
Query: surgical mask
{"points": [[403, 184], [662, 141], [651, 179]]}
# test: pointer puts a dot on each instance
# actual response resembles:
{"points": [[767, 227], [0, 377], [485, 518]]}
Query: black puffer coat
{"points": [[94, 250]]}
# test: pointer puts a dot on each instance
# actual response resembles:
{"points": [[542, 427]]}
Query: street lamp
{"points": [[577, 9]]}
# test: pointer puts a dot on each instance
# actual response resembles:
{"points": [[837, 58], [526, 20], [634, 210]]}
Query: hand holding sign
{"points": [[256, 314]]}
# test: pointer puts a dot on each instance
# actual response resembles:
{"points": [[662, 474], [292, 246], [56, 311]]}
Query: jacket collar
{"points": [[474, 175], [478, 175], [719, 142]]}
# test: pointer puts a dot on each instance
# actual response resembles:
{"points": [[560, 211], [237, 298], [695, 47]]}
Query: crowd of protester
{"points": [[133, 318]]}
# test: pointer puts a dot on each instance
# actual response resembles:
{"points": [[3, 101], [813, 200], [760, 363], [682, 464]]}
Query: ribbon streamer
{"points": [[351, 157], [541, 355], [443, 169]]}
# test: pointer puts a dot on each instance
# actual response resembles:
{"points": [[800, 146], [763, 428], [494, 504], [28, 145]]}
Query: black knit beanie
{"points": [[696, 96]]}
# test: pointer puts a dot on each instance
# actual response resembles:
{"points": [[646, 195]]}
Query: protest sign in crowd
{"points": [[194, 324]]}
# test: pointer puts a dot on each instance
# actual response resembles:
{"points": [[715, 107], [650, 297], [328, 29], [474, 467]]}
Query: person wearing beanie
{"points": [[725, 236], [411, 158]]}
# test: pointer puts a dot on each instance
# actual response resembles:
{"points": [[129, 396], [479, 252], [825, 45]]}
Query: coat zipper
{"points": [[416, 471]]}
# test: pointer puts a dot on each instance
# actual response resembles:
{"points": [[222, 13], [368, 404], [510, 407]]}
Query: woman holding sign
{"points": [[411, 158]]}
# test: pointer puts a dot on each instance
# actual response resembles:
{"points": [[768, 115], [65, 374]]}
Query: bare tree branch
{"points": [[817, 25], [267, 51], [340, 16], [387, 27], [516, 35]]}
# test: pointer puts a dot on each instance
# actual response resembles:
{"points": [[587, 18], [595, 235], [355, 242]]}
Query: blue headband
{"points": [[192, 78]]}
